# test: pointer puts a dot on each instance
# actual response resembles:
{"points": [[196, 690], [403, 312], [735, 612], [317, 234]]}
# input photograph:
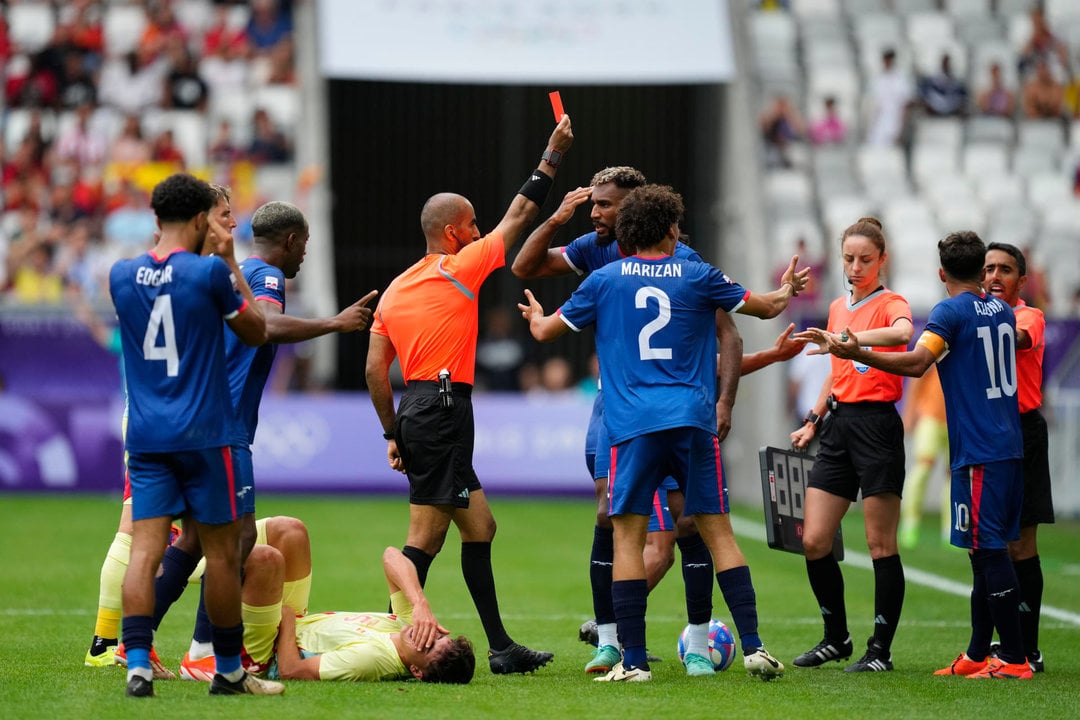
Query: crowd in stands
{"points": [[934, 115], [101, 99]]}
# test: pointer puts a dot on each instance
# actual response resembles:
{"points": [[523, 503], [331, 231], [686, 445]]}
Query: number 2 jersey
{"points": [[656, 340], [170, 310], [974, 340]]}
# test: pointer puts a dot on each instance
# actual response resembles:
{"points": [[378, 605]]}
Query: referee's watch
{"points": [[552, 157], [388, 435], [813, 418]]}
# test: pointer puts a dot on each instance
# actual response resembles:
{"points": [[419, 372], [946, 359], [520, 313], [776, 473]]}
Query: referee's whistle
{"points": [[446, 391]]}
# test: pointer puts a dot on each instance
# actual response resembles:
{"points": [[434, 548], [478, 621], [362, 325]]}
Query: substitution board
{"points": [[783, 485]]}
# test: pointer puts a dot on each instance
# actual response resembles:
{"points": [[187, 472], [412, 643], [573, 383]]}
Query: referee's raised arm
{"points": [[526, 204]]}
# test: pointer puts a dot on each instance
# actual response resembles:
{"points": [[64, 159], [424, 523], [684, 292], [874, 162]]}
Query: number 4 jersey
{"points": [[170, 311], [974, 340], [656, 340]]}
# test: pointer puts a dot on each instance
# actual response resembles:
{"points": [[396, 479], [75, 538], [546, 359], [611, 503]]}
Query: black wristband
{"points": [[536, 188], [389, 435]]}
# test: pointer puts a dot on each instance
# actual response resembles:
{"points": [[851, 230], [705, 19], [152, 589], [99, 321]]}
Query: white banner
{"points": [[527, 42]]}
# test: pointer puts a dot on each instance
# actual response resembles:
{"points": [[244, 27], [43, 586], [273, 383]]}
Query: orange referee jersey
{"points": [[1029, 362], [853, 381], [430, 311]]}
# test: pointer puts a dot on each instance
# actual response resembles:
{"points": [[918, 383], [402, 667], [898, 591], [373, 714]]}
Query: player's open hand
{"points": [[787, 345], [357, 316], [844, 345], [799, 279], [532, 308], [219, 237], [425, 629], [817, 336]]}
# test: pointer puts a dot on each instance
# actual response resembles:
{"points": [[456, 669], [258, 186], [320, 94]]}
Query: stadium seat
{"points": [[282, 102], [865, 7], [966, 10], [929, 26], [985, 157], [30, 25], [1043, 134], [122, 26], [1046, 190], [931, 162], [1028, 161], [805, 9], [939, 132], [194, 16], [986, 128], [992, 189]]}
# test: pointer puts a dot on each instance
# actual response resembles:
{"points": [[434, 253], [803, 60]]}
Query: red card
{"points": [[556, 105]]}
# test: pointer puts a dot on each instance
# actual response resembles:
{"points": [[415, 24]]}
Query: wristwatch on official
{"points": [[389, 435], [552, 157], [813, 418]]}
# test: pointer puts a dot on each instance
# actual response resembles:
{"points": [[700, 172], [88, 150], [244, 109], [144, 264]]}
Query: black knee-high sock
{"points": [[421, 560], [888, 598], [738, 591], [600, 564], [176, 567], [827, 583], [982, 625], [697, 572], [476, 567], [1030, 576], [1003, 597]]}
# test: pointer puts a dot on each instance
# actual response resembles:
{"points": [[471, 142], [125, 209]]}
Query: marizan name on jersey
{"points": [[650, 270]]}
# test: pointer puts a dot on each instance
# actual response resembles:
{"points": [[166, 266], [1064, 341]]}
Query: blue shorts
{"points": [[986, 502], [199, 483], [660, 520], [689, 455], [245, 479], [596, 425]]}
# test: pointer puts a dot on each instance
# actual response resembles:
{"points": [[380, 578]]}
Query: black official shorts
{"points": [[436, 444], [1038, 505], [862, 448]]}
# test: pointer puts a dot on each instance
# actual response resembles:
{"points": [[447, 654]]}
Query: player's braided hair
{"points": [[645, 216]]}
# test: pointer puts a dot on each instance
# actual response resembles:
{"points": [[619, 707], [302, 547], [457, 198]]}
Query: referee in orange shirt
{"points": [[428, 319]]}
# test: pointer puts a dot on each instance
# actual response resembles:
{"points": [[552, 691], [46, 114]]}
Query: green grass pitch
{"points": [[54, 546]]}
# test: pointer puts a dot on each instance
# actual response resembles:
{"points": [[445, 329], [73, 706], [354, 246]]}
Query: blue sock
{"points": [[630, 599], [176, 567], [228, 642], [138, 639], [697, 572], [741, 600], [600, 563]]}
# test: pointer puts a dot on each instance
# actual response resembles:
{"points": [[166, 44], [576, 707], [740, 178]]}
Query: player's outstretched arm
{"points": [[769, 305], [401, 575], [522, 210], [283, 328], [290, 665], [536, 258], [912, 363], [786, 347], [544, 328]]}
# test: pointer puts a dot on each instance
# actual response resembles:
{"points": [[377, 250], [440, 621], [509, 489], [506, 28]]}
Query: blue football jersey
{"points": [[585, 254], [656, 340], [978, 378], [170, 311], [249, 367]]}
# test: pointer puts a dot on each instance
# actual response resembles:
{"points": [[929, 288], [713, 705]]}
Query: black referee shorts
{"points": [[1038, 505], [861, 448], [436, 444]]}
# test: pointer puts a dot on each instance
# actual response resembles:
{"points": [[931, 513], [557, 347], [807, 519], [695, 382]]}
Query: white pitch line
{"points": [[756, 531]]}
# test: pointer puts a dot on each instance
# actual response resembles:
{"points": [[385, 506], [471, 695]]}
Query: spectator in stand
{"points": [[165, 149], [131, 226], [220, 37], [85, 31], [280, 64], [943, 94], [132, 84], [890, 98], [500, 353], [268, 144], [780, 125], [81, 262], [33, 276], [130, 146], [162, 30], [82, 142], [31, 82], [184, 88], [1044, 96], [1036, 291], [223, 148], [557, 375], [996, 99], [830, 128], [1043, 45], [77, 84], [270, 24]]}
